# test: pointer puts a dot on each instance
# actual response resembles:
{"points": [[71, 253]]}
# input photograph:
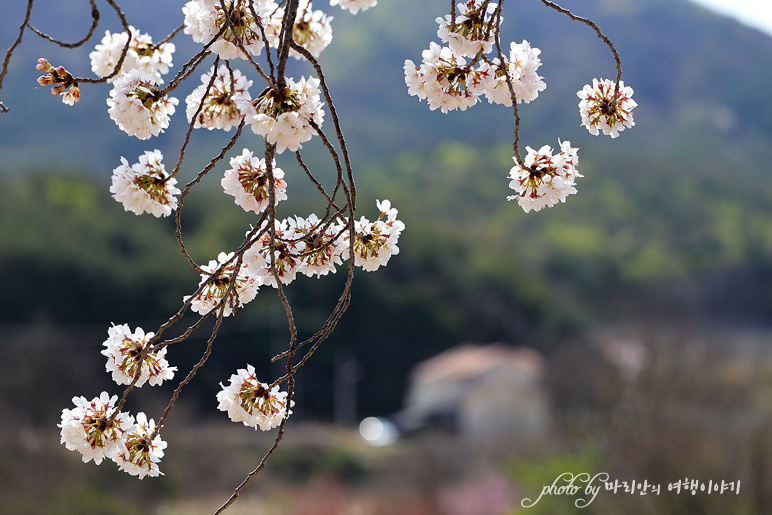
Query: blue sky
{"points": [[756, 13]]}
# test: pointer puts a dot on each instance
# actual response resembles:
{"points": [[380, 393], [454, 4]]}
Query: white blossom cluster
{"points": [[547, 178], [601, 110], [251, 402], [521, 67], [285, 250], [324, 244], [139, 452], [213, 293], [97, 430], [312, 247], [474, 30], [145, 186], [354, 6], [88, 428], [287, 115], [445, 79], [220, 106], [142, 54], [253, 25], [205, 19], [302, 245], [312, 30], [375, 242], [136, 106], [124, 350], [456, 75], [94, 429], [247, 181], [284, 118]]}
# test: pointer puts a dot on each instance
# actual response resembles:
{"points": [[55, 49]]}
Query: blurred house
{"points": [[488, 392]]}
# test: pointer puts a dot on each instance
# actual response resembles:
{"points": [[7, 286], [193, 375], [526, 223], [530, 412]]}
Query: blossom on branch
{"points": [[213, 293], [312, 29], [444, 80], [247, 181], [286, 247], [354, 6], [521, 67], [375, 242], [323, 245], [249, 401], [62, 81], [600, 109], [284, 117], [145, 186], [206, 20], [474, 31], [139, 453], [124, 350], [136, 106], [220, 109], [142, 54], [88, 427], [546, 178]]}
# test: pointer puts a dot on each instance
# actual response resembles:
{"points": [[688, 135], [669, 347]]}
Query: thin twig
{"points": [[201, 174], [16, 43], [600, 34], [94, 23]]}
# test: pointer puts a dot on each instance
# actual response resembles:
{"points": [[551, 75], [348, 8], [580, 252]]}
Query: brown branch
{"points": [[124, 51], [94, 23], [201, 174], [597, 30], [192, 123], [335, 120], [169, 37], [287, 28], [8, 53]]}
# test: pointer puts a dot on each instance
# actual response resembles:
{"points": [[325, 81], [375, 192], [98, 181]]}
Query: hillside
{"points": [[671, 220]]}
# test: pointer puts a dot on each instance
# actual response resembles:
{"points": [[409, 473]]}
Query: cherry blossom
{"points": [[124, 350], [247, 181], [286, 250], [375, 242], [62, 81], [312, 30], [354, 6], [213, 293], [324, 244], [139, 452], [220, 109], [88, 427], [284, 118], [474, 30], [521, 66], [546, 179], [143, 55], [600, 110], [136, 106], [251, 402], [145, 187], [444, 80], [205, 19]]}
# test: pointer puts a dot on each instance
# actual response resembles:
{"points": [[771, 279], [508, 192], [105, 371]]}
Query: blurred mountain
{"points": [[698, 78]]}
